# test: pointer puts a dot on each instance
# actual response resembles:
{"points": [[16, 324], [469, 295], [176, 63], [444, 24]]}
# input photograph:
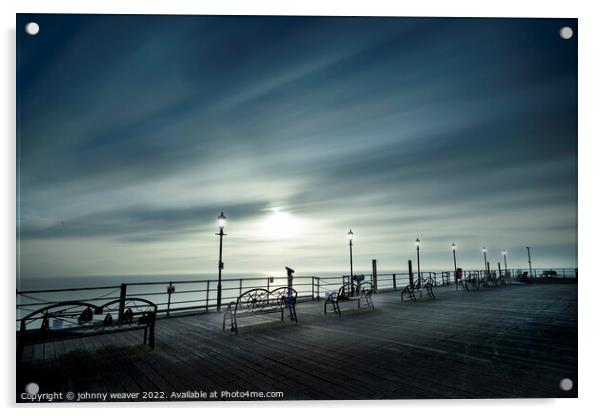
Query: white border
{"points": [[590, 70]]}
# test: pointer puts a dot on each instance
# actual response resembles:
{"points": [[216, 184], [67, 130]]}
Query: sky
{"points": [[135, 132]]}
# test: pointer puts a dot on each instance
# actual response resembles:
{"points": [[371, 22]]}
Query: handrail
{"points": [[201, 293]]}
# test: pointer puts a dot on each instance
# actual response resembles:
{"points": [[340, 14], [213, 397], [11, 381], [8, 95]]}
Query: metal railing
{"points": [[201, 295]]}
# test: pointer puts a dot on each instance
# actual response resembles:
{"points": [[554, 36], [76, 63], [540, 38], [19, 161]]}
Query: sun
{"points": [[281, 225]]}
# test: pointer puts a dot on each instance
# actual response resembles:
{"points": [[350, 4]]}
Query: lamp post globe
{"points": [[221, 220]]}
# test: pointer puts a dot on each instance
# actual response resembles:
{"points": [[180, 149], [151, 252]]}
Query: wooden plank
{"points": [[496, 342]]}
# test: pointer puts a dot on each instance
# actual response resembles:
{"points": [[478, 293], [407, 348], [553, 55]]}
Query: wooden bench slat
{"points": [[261, 301], [350, 292], [84, 320]]}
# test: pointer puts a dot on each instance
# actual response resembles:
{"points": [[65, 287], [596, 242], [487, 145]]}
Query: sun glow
{"points": [[280, 225]]}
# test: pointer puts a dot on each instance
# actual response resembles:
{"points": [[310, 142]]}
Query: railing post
{"points": [[169, 298], [312, 288], [318, 288], [207, 296], [394, 282], [122, 295], [410, 275], [268, 279], [374, 275], [240, 287]]}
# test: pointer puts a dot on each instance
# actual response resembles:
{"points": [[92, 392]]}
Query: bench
{"points": [[422, 284], [472, 280], [350, 292], [260, 302], [489, 279], [74, 319], [524, 278], [505, 278]]}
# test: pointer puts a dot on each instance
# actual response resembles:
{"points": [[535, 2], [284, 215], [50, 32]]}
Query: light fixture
{"points": [[221, 220]]}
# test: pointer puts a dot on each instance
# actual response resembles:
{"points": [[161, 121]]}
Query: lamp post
{"points": [[485, 257], [418, 256], [221, 222], [504, 252], [350, 237], [529, 255], [456, 277]]}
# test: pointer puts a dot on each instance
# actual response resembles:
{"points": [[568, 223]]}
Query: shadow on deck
{"points": [[517, 341]]}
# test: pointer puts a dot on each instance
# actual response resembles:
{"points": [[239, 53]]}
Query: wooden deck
{"points": [[517, 341]]}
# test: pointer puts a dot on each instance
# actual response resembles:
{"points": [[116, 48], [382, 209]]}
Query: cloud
{"points": [[132, 141], [134, 223]]}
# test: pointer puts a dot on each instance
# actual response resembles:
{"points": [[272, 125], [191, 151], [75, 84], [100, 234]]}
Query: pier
{"points": [[506, 342]]}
